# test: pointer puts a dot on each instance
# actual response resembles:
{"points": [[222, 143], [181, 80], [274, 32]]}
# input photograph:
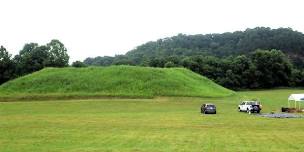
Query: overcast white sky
{"points": [[90, 28]]}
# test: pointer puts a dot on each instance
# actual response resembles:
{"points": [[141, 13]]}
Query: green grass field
{"points": [[160, 124], [113, 81]]}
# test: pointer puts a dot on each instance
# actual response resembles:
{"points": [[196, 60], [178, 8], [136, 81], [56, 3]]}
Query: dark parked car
{"points": [[208, 108]]}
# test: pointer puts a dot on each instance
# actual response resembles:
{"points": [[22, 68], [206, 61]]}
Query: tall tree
{"points": [[274, 68], [6, 66], [31, 58], [58, 56]]}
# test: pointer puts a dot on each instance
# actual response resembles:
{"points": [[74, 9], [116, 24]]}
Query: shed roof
{"points": [[296, 97]]}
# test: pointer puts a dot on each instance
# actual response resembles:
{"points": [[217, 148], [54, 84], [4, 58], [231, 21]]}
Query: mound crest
{"points": [[120, 81]]}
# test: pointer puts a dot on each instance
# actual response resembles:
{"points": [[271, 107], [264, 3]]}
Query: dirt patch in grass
{"points": [[281, 115]]}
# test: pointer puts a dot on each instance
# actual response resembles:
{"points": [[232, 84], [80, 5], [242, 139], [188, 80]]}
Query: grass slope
{"points": [[149, 125], [126, 81]]}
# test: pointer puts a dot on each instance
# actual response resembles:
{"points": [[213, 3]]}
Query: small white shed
{"points": [[296, 98]]}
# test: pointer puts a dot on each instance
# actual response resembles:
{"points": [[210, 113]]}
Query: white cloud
{"points": [[109, 27]]}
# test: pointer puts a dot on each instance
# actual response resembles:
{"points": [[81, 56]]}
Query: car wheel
{"points": [[258, 111], [239, 109], [248, 111]]}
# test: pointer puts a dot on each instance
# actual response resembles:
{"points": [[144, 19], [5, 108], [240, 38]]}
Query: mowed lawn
{"points": [[160, 124]]}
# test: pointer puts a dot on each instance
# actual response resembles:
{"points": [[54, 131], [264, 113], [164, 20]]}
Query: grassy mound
{"points": [[118, 81]]}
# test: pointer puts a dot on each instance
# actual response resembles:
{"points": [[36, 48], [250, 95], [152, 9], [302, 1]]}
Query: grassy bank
{"points": [[114, 81]]}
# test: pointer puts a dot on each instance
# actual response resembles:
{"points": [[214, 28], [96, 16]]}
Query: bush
{"points": [[169, 64], [78, 64]]}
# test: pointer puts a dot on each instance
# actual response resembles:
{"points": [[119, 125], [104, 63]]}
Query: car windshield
{"points": [[253, 103], [210, 106]]}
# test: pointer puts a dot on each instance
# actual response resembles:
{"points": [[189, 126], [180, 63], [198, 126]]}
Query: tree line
{"points": [[258, 69], [236, 43], [287, 40], [31, 58], [255, 58]]}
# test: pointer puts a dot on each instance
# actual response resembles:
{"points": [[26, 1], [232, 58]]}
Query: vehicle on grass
{"points": [[250, 106], [208, 108]]}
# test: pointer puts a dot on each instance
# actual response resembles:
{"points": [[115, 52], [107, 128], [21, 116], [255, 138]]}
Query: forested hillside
{"points": [[254, 58], [240, 42]]}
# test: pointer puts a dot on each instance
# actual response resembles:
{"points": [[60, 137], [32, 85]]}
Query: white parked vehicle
{"points": [[250, 106]]}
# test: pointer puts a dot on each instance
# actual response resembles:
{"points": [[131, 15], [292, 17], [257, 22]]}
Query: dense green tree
{"points": [[157, 62], [58, 56], [7, 66], [230, 80], [122, 60], [101, 61], [34, 57], [237, 43], [261, 69], [241, 66], [274, 68], [170, 64], [31, 58], [78, 64], [190, 63], [297, 78]]}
